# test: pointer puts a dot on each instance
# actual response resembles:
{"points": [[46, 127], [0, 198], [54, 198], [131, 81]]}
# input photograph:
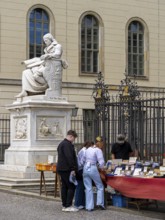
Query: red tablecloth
{"points": [[142, 188]]}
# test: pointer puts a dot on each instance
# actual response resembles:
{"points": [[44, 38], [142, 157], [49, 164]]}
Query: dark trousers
{"points": [[67, 189], [80, 191]]}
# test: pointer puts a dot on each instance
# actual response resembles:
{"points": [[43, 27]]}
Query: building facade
{"points": [[111, 36]]}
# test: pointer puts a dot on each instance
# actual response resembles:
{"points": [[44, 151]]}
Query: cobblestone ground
{"points": [[20, 207]]}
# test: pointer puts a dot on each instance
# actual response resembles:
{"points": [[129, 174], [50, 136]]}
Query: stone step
{"points": [[22, 183], [17, 180], [22, 172]]}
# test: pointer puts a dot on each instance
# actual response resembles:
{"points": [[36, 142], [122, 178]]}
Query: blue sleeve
{"points": [[81, 157]]}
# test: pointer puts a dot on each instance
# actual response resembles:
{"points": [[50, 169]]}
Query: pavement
{"points": [[27, 204]]}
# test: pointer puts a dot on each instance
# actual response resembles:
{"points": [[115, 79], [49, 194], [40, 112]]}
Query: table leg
{"points": [[57, 185], [55, 188], [41, 182], [156, 203], [42, 178]]}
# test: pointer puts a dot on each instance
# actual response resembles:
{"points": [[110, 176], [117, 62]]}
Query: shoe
{"points": [[80, 207], [63, 209], [100, 207], [71, 209], [89, 210]]}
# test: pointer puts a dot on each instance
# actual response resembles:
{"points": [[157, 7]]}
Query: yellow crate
{"points": [[45, 167]]}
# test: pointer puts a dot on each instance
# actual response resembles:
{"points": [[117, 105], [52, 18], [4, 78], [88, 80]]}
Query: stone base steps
{"points": [[12, 183], [22, 172]]}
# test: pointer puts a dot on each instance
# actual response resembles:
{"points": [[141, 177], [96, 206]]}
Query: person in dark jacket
{"points": [[121, 149], [66, 166]]}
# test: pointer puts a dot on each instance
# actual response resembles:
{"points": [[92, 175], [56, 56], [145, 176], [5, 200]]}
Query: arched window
{"points": [[89, 45], [136, 63], [38, 26]]}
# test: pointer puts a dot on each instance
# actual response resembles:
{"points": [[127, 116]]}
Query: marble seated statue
{"points": [[45, 72]]}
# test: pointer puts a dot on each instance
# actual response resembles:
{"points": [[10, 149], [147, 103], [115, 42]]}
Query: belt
{"points": [[93, 164]]}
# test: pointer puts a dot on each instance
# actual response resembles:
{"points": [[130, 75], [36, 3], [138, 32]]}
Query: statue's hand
{"points": [[36, 76], [46, 56], [49, 56], [43, 57]]}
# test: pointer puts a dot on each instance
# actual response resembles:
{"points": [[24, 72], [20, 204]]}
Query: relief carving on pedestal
{"points": [[49, 127], [20, 128]]}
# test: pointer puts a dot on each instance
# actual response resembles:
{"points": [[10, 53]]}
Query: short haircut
{"points": [[72, 133]]}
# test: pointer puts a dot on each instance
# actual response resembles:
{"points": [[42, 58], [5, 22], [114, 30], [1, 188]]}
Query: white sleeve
{"points": [[100, 157]]}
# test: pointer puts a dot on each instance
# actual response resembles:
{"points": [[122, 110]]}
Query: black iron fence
{"points": [[142, 121], [85, 128], [4, 134]]}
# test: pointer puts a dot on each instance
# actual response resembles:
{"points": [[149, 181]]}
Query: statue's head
{"points": [[48, 39]]}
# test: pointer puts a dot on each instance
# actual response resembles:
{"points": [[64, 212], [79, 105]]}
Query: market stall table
{"points": [[139, 188], [47, 167]]}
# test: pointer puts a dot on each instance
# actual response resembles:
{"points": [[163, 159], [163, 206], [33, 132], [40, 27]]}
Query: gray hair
{"points": [[50, 36]]}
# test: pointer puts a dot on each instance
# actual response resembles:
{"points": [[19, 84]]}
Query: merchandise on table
{"points": [[143, 169]]}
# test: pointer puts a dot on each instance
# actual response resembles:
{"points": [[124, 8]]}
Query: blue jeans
{"points": [[89, 174], [80, 191]]}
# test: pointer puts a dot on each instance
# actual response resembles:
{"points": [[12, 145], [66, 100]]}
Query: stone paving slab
{"points": [[16, 207], [25, 205]]}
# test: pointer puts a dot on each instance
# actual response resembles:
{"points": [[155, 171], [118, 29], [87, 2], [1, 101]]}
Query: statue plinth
{"points": [[38, 124]]}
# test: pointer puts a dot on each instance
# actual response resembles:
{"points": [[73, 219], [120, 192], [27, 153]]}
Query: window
{"points": [[38, 26], [90, 56], [136, 49]]}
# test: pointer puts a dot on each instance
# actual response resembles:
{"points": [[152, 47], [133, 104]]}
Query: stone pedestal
{"points": [[38, 124]]}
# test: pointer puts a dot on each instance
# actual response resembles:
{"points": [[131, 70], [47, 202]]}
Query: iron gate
{"points": [[4, 134], [142, 121]]}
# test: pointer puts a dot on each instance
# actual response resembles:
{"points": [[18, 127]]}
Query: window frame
{"points": [[100, 44], [145, 48], [51, 24]]}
